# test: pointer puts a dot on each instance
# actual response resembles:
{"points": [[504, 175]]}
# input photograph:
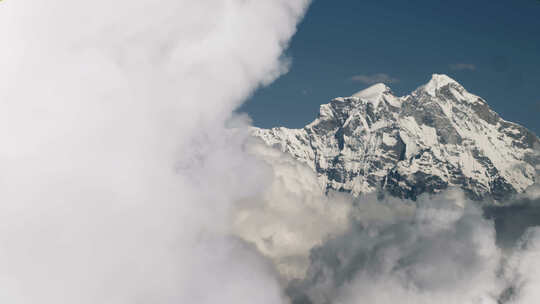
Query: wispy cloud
{"points": [[463, 67], [374, 78]]}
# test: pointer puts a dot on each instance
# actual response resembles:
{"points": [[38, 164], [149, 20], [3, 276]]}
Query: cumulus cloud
{"points": [[439, 249], [442, 255], [292, 215], [118, 174], [463, 67], [523, 269], [442, 248], [374, 78]]}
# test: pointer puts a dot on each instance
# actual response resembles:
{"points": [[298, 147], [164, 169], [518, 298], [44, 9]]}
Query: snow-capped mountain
{"points": [[438, 136]]}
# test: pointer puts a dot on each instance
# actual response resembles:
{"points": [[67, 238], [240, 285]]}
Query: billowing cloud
{"points": [[374, 78], [433, 250], [292, 215], [117, 171], [441, 248], [523, 269]]}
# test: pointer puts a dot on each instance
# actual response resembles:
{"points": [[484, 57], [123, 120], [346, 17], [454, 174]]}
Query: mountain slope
{"points": [[437, 137]]}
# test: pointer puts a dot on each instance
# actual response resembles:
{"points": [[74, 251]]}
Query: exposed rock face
{"points": [[438, 136]]}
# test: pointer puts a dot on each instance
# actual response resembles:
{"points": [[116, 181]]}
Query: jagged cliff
{"points": [[437, 137]]}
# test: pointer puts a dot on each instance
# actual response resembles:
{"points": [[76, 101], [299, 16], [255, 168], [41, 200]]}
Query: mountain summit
{"points": [[437, 137]]}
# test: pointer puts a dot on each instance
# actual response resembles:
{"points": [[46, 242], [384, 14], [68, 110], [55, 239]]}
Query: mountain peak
{"points": [[437, 82], [373, 92], [440, 80], [438, 137]]}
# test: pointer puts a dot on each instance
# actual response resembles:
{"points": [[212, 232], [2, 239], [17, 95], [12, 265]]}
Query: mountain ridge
{"points": [[438, 136]]}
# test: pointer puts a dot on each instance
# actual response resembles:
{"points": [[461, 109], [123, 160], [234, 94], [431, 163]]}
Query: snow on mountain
{"points": [[437, 137]]}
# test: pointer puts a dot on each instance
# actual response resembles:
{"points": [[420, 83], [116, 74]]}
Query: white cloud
{"points": [[523, 267], [117, 173], [292, 215], [433, 250], [444, 255], [337, 249], [374, 78]]}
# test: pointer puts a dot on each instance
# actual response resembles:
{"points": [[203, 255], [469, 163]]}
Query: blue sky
{"points": [[491, 47]]}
